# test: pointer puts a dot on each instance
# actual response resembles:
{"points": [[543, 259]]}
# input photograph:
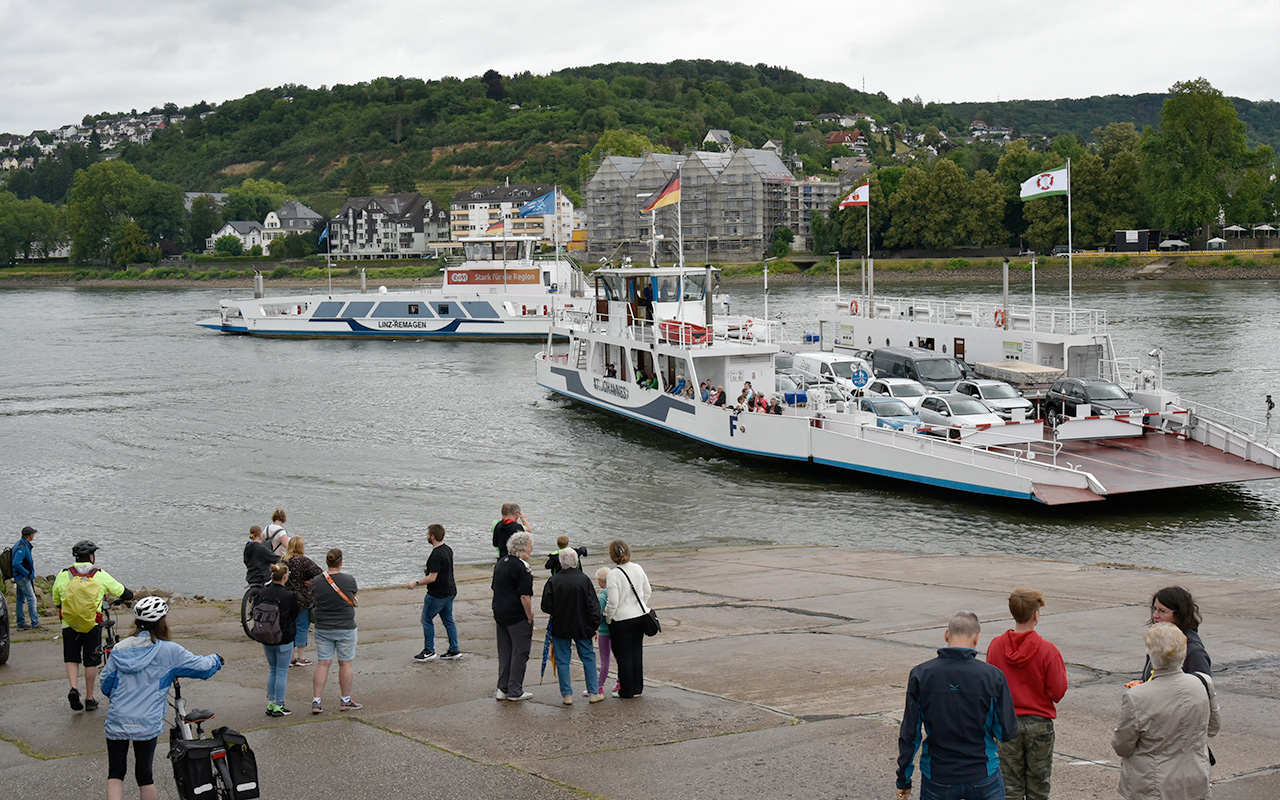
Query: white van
{"points": [[834, 368]]}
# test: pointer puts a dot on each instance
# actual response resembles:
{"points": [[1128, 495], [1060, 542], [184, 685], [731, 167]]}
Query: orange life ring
{"points": [[853, 307], [1000, 317]]}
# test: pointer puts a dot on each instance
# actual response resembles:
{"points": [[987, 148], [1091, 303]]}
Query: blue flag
{"points": [[324, 235], [539, 206]]}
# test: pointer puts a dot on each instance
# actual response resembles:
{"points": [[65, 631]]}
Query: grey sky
{"points": [[60, 60]]}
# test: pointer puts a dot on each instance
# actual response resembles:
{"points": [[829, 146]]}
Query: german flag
{"points": [[666, 196], [498, 227]]}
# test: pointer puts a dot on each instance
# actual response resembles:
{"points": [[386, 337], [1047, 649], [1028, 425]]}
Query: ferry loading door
{"points": [[957, 349]]}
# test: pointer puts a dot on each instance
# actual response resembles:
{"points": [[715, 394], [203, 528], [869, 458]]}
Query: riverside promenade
{"points": [[780, 673]]}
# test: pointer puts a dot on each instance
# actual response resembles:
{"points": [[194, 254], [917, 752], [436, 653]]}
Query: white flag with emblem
{"points": [[1046, 184]]}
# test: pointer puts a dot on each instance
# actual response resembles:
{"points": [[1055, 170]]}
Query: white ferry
{"points": [[499, 291], [628, 356]]}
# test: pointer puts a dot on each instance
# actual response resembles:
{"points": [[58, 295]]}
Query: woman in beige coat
{"points": [[1165, 725]]}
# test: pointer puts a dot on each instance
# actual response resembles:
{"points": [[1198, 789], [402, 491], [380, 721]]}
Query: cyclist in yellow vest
{"points": [[78, 594]]}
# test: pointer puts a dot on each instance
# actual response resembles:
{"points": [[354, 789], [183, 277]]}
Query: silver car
{"points": [[999, 396], [955, 411]]}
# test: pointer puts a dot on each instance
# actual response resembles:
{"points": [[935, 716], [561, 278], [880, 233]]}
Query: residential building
{"points": [[731, 203], [218, 197], [473, 211], [248, 231], [385, 226], [843, 120], [806, 198], [720, 137], [853, 139], [292, 217]]}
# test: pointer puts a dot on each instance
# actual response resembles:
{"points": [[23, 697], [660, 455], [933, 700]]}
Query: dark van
{"points": [[934, 370]]}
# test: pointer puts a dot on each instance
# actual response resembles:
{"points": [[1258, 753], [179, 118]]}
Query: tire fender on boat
{"points": [[1000, 317]]}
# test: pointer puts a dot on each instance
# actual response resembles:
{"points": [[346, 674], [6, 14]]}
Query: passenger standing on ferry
{"points": [[258, 558], [628, 591], [513, 616], [276, 537], [610, 371], [746, 387], [646, 301], [513, 520], [302, 572]]}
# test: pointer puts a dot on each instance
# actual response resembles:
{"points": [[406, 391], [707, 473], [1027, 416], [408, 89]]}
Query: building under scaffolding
{"points": [[731, 203]]}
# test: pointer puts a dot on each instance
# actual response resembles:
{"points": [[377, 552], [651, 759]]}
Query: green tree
{"points": [[129, 245], [987, 205], [229, 245], [1196, 157], [205, 218], [100, 200], [616, 142], [402, 178], [358, 179], [28, 228], [295, 245], [253, 199], [160, 212], [780, 242]]}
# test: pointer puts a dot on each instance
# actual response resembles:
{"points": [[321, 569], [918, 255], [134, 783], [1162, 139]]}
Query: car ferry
{"points": [[643, 358], [500, 290]]}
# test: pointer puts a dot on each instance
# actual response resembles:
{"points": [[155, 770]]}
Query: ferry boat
{"points": [[629, 357], [500, 290]]}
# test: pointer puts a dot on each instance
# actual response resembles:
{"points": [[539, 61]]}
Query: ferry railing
{"points": [[1251, 429], [1044, 319], [1017, 458]]}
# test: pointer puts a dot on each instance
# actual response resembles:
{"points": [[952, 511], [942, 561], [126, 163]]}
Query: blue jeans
{"points": [[444, 607], [278, 657], [586, 654], [303, 626], [989, 788], [23, 589]]}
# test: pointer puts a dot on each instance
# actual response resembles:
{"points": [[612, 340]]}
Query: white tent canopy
{"points": [[1217, 240], [1174, 243], [1236, 228]]}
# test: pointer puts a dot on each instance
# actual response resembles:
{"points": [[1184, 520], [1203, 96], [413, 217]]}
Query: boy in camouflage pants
{"points": [[1037, 680]]}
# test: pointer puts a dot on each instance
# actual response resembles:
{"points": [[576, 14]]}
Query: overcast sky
{"points": [[62, 59]]}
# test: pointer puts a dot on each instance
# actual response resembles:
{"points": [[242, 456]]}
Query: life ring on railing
{"points": [[999, 317], [853, 307]]}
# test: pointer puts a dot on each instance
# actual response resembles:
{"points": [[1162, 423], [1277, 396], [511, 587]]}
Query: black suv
{"points": [[1103, 397]]}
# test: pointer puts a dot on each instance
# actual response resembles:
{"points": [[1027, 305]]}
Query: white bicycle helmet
{"points": [[150, 609]]}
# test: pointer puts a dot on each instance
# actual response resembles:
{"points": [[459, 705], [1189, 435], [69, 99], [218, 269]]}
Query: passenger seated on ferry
{"points": [[705, 390], [610, 371], [679, 387], [653, 382], [776, 406], [762, 404], [641, 380], [689, 393], [743, 399], [719, 401]]}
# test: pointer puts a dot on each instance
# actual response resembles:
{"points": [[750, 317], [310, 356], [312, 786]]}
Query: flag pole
{"points": [[871, 263], [1070, 254], [679, 227]]}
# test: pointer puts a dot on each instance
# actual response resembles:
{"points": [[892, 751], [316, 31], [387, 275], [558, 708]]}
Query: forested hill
{"points": [[531, 128]]}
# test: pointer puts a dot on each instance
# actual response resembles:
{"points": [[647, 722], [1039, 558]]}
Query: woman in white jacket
{"points": [[1165, 725], [627, 588]]}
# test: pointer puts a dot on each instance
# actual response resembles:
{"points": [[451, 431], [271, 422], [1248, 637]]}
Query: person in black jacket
{"points": [[965, 707], [575, 612], [1175, 605], [279, 655], [258, 558]]}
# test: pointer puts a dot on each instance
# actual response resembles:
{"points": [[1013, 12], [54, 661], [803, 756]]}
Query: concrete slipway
{"points": [[780, 673]]}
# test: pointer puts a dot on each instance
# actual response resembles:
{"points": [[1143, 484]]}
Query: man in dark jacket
{"points": [[575, 612], [965, 706], [24, 573]]}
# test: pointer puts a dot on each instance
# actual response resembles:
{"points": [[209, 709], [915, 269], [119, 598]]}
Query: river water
{"points": [[122, 422]]}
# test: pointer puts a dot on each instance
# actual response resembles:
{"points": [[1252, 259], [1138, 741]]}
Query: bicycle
{"points": [[246, 608], [109, 636], [221, 764]]}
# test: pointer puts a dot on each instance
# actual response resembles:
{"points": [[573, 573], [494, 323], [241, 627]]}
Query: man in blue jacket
{"points": [[965, 707], [24, 573]]}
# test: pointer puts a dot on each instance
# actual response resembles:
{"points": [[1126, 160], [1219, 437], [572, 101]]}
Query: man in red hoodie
{"points": [[1037, 679]]}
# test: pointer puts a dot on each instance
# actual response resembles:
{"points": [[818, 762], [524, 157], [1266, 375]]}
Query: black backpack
{"points": [[6, 563], [266, 621]]}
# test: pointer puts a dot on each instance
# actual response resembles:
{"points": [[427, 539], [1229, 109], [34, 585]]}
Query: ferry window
{"points": [[449, 310], [328, 308], [546, 279], [506, 251], [480, 310], [413, 308], [613, 288], [359, 309], [668, 288], [478, 251], [694, 286]]}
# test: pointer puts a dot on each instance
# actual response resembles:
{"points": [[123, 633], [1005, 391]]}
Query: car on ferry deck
{"points": [[955, 411], [908, 391], [1066, 395], [890, 412], [999, 396]]}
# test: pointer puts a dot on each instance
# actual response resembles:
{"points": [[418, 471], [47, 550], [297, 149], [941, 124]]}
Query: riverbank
{"points": [[780, 672]]}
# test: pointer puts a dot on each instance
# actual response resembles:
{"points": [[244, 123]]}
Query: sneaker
{"points": [[349, 705], [518, 698], [499, 695], [568, 699], [38, 627], [614, 693], [302, 662], [595, 698], [274, 711], [73, 697], [315, 707], [284, 712], [24, 627], [90, 705], [451, 655], [425, 656]]}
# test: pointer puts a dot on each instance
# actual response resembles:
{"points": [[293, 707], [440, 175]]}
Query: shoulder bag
{"points": [[341, 593], [649, 621]]}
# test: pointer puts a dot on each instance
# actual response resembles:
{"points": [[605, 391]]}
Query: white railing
{"points": [[1251, 429], [1044, 319]]}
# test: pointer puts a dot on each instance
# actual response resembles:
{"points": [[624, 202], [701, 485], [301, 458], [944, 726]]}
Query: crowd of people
{"points": [[988, 727]]}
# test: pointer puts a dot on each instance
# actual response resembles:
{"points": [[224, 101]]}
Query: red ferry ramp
{"points": [[1143, 463]]}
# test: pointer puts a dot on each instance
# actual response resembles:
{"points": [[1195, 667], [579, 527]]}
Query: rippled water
{"points": [[122, 422]]}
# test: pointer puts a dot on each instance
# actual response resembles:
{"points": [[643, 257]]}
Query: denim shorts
{"points": [[341, 640]]}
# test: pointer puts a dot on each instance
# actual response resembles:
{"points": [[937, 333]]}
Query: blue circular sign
{"points": [[860, 377]]}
